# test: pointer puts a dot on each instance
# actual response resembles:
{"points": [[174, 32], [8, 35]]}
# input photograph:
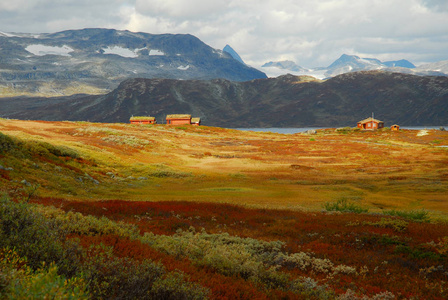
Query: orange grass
{"points": [[381, 169], [260, 185]]}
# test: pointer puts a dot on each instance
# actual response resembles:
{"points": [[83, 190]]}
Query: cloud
{"points": [[437, 5], [309, 32], [180, 9]]}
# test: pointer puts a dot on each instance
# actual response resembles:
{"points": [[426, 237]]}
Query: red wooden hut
{"points": [[395, 127], [370, 124], [178, 119], [143, 120], [196, 121]]}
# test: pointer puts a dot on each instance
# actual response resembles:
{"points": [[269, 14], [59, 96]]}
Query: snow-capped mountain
{"points": [[352, 63], [286, 65], [97, 60], [441, 66]]}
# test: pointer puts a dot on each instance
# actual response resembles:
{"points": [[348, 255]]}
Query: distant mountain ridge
{"points": [[284, 64], [98, 60], [352, 63], [285, 101]]}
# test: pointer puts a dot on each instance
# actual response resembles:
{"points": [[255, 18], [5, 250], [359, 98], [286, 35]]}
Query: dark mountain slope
{"points": [[286, 101]]}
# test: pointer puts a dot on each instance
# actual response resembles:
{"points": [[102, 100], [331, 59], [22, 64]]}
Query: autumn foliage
{"points": [[119, 212]]}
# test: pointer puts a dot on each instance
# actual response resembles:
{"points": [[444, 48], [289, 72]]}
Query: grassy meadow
{"points": [[200, 212]]}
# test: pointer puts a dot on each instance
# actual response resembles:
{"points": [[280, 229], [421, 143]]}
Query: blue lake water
{"points": [[303, 129]]}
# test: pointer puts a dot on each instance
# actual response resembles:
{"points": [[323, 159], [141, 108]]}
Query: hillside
{"points": [[96, 60], [187, 212], [286, 101]]}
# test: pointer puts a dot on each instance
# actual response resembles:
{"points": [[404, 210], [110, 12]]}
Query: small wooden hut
{"points": [[370, 124], [143, 120], [178, 119], [395, 127], [196, 121]]}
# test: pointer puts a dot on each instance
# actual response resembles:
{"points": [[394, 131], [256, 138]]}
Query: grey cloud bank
{"points": [[309, 32]]}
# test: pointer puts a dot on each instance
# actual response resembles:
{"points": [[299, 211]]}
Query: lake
{"points": [[303, 129]]}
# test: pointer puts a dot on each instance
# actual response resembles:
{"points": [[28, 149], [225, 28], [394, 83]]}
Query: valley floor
{"points": [[351, 208]]}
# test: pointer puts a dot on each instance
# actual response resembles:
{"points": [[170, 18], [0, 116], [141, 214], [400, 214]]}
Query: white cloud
{"points": [[309, 32], [180, 8]]}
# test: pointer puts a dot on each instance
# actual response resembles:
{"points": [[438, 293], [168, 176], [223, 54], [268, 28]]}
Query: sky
{"points": [[312, 33]]}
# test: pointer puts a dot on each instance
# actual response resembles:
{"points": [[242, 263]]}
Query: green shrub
{"points": [[74, 222], [34, 236], [417, 253], [19, 281], [109, 277], [7, 143], [395, 224], [174, 286], [248, 258], [344, 130], [414, 215], [342, 205]]}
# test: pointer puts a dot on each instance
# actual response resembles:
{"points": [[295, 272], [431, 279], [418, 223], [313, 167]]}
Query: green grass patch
{"points": [[413, 215], [343, 205]]}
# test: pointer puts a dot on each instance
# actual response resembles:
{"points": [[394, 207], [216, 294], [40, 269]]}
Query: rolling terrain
{"points": [[205, 212]]}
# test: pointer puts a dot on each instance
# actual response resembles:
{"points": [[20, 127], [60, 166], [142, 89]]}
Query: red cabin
{"points": [[370, 124], [178, 119], [395, 127]]}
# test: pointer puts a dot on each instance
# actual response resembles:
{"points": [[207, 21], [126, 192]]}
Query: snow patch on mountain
{"points": [[117, 50], [41, 50], [7, 34], [129, 53], [183, 68], [156, 52]]}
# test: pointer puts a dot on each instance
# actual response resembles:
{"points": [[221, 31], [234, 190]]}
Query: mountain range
{"points": [[285, 101], [95, 61], [352, 63]]}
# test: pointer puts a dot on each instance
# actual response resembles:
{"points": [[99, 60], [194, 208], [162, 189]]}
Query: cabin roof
{"points": [[195, 120], [370, 120], [178, 116], [141, 118]]}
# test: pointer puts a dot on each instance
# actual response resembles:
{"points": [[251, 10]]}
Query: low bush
{"points": [[39, 236], [343, 205], [19, 281], [175, 286], [248, 258], [414, 215], [7, 143], [416, 253], [76, 223], [110, 277], [34, 236], [395, 224]]}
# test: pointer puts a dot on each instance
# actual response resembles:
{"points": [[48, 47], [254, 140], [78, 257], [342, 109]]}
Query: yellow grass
{"points": [[378, 170]]}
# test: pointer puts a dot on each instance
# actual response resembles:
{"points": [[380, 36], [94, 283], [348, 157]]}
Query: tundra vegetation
{"points": [[119, 211]]}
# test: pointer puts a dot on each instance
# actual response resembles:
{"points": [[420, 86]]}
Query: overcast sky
{"points": [[311, 33]]}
